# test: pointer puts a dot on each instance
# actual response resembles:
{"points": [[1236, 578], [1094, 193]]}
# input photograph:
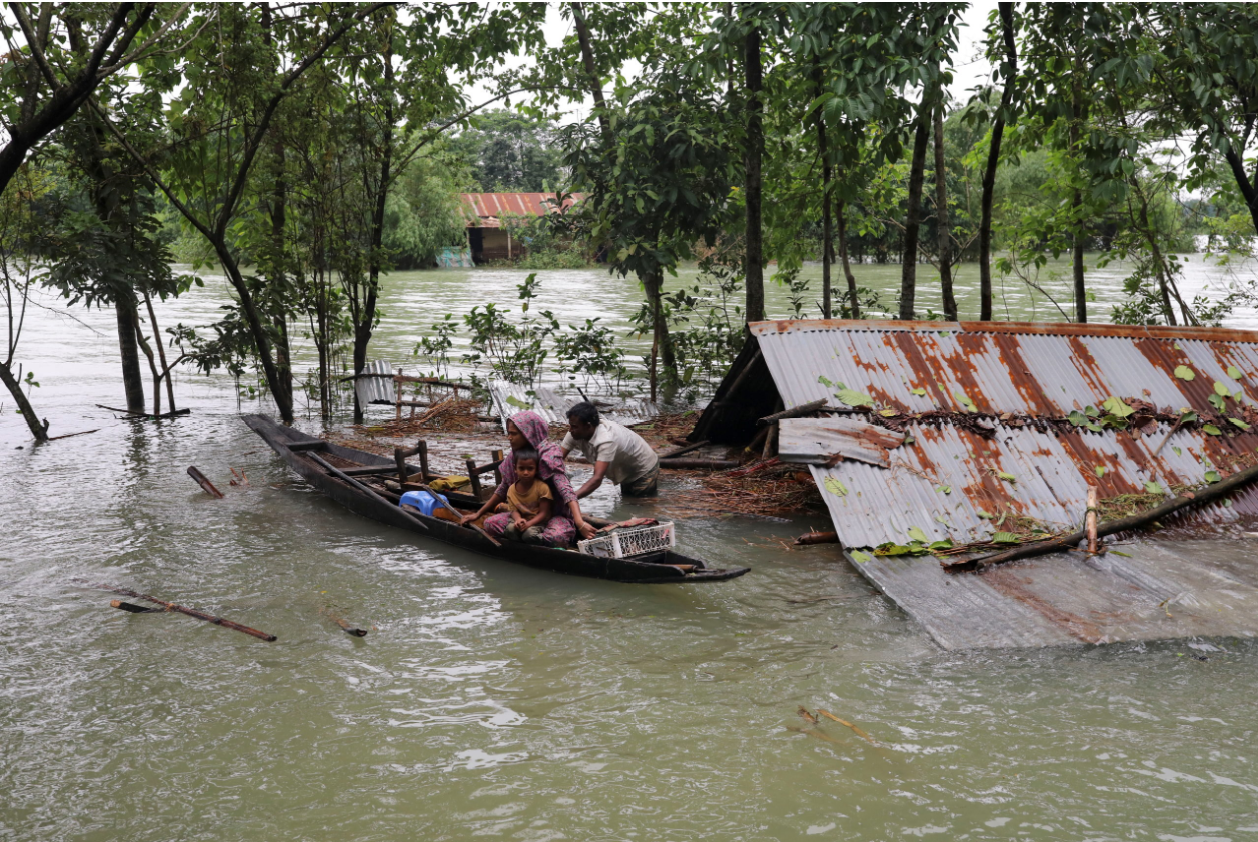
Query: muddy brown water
{"points": [[495, 701]]}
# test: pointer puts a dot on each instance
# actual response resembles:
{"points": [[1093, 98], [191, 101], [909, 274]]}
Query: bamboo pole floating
{"points": [[191, 612], [1126, 524], [1089, 521], [204, 482]]}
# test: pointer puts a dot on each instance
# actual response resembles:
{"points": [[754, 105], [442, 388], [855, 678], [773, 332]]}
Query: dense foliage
{"points": [[308, 149]]}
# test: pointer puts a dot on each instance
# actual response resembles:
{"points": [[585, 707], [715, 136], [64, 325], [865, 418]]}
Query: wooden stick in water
{"points": [[131, 607], [858, 731], [191, 612], [204, 482]]}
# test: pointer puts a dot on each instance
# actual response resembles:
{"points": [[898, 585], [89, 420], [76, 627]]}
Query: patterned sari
{"points": [[559, 530]]}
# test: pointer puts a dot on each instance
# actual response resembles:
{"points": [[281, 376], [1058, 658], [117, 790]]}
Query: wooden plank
{"points": [[817, 441]]}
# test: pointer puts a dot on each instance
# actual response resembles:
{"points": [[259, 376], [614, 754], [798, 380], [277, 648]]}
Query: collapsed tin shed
{"points": [[1002, 423]]}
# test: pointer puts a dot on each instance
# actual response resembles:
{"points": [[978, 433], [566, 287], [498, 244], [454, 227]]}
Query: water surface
{"points": [[500, 702]]}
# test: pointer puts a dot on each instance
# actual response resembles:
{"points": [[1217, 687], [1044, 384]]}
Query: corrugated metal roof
{"points": [[1009, 368], [483, 210], [950, 474], [551, 404]]}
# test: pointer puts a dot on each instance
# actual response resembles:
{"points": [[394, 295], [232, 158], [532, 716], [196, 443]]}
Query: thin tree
{"points": [[754, 84], [941, 215], [1009, 72]]}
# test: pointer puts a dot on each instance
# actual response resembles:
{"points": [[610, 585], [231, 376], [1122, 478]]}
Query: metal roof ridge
{"points": [[1163, 332]]}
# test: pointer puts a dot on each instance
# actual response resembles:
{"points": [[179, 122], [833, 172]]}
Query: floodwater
{"points": [[491, 701]]}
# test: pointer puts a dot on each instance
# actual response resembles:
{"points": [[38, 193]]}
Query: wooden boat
{"points": [[324, 464]]}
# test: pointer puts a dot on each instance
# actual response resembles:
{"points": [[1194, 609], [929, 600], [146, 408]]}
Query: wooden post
{"points": [[399, 459], [423, 459], [397, 396], [497, 457], [508, 244], [474, 477], [1090, 521]]}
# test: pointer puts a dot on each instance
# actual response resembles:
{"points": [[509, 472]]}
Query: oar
{"points": [[191, 612], [339, 474]]}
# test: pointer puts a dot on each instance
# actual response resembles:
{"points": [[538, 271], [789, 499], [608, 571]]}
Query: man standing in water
{"points": [[617, 453]]}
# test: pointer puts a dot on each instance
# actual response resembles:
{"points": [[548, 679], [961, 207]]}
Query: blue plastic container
{"points": [[424, 501]]}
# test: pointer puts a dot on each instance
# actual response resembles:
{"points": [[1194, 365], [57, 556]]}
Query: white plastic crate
{"points": [[636, 540]]}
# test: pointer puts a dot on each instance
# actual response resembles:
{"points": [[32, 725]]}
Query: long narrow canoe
{"points": [[303, 454]]}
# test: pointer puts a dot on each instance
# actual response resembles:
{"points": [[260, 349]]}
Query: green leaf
{"points": [[1153, 487], [1077, 418], [860, 557], [909, 439], [984, 515], [835, 487], [1213, 476], [940, 545], [1006, 476], [851, 397], [1116, 407], [517, 403], [918, 535], [1239, 423], [1183, 372], [941, 519], [1100, 471], [1121, 553], [1090, 411], [1234, 372], [1187, 417], [823, 380], [1221, 390], [946, 489], [918, 392], [1178, 452], [888, 413], [1217, 402], [965, 401], [1004, 538], [1212, 430]]}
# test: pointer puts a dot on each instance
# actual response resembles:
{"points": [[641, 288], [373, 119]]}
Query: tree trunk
{"points": [[993, 159], [143, 344], [662, 345], [912, 223], [363, 328], [1078, 111], [161, 352], [283, 396], [853, 299], [754, 162], [941, 211], [591, 70], [128, 319], [1081, 290], [827, 234], [39, 431]]}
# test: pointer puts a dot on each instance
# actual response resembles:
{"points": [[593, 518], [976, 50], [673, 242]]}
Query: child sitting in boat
{"points": [[529, 499]]}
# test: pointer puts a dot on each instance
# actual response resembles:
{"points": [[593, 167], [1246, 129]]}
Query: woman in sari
{"points": [[527, 430]]}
